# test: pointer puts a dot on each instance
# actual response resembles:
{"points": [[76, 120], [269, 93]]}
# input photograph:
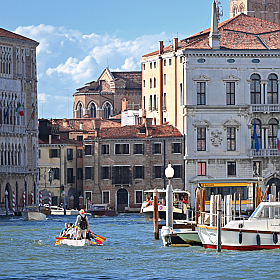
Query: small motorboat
{"points": [[99, 210], [59, 211], [32, 213], [260, 231]]}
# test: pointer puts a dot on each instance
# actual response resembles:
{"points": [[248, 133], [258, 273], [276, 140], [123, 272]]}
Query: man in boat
{"points": [[82, 224], [64, 230]]}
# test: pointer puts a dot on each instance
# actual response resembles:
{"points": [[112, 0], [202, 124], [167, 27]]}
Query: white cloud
{"points": [[129, 64]]}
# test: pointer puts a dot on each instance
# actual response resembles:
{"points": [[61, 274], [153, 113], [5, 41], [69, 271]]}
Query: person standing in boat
{"points": [[82, 224]]}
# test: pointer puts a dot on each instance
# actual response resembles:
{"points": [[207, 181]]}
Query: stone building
{"points": [[121, 163], [221, 81], [268, 10], [18, 118], [103, 98]]}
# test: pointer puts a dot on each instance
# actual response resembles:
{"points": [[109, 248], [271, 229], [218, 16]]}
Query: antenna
{"points": [[219, 10]]}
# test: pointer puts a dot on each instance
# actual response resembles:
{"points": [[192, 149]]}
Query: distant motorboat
{"points": [[99, 210], [32, 213], [59, 211]]}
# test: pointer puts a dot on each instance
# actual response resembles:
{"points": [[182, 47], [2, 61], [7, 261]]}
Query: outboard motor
{"points": [[165, 235]]}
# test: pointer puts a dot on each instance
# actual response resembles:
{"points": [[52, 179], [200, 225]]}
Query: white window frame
{"points": [[102, 197], [122, 144]]}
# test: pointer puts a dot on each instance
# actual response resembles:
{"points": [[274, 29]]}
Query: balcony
{"points": [[264, 153], [13, 169], [13, 129], [265, 108]]}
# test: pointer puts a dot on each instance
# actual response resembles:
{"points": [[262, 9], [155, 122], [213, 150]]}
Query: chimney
{"points": [[50, 138], [96, 123], [124, 103], [214, 37], [160, 50], [64, 123], [175, 44], [148, 125], [81, 126]]}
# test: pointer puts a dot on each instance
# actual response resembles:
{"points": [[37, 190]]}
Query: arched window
{"points": [[258, 126], [272, 89], [234, 10], [80, 110], [93, 110], [241, 8], [107, 110], [255, 89], [272, 133]]}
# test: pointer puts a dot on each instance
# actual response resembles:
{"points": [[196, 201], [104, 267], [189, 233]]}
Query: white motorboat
{"points": [[260, 231], [59, 211]]}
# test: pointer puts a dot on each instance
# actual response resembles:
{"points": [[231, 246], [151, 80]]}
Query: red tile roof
{"points": [[239, 33], [133, 78], [11, 35], [133, 131], [61, 140]]}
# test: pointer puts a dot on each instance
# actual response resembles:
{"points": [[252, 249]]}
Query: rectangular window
{"points": [[144, 83], [157, 148], [87, 150], [105, 149], [55, 173], [39, 153], [157, 172], [54, 153], [144, 102], [138, 197], [201, 90], [151, 65], [105, 197], [181, 59], [170, 62], [201, 169], [151, 103], [231, 168], [69, 154], [155, 103], [164, 79], [121, 175], [80, 153], [164, 101], [176, 148], [155, 64], [201, 139], [138, 149], [144, 66], [80, 173], [80, 138], [88, 173], [231, 139], [122, 149], [70, 178], [105, 172], [257, 168], [177, 171], [138, 172], [230, 88], [164, 62], [181, 94]]}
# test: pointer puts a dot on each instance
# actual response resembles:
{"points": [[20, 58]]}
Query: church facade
{"points": [[263, 9]]}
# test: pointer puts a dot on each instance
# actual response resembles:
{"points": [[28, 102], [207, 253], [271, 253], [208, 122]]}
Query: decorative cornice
{"points": [[202, 123], [231, 123]]}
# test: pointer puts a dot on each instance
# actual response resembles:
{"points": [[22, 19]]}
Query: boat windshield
{"points": [[267, 212]]}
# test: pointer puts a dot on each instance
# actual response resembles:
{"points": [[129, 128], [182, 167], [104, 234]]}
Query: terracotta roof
{"points": [[61, 140], [133, 131], [133, 79], [11, 35], [239, 33]]}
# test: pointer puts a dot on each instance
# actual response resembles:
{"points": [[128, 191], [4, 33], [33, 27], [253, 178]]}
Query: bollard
{"points": [[155, 216], [169, 206], [219, 210]]}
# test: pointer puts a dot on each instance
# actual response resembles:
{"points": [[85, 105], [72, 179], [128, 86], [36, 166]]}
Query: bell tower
{"points": [[265, 9]]}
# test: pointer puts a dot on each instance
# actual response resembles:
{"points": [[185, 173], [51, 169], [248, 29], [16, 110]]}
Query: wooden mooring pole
{"points": [[219, 228], [155, 216]]}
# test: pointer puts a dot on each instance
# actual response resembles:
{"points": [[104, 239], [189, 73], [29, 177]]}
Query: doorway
{"points": [[122, 200]]}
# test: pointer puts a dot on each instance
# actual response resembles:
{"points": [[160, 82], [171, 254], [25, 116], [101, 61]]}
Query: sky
{"points": [[79, 39]]}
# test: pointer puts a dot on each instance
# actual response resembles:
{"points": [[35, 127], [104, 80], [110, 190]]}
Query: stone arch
{"points": [[270, 9], [79, 109], [258, 8], [241, 8], [107, 109], [92, 108], [234, 10]]}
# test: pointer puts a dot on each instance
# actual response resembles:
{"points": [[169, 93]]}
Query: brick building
{"points": [[264, 9], [121, 163], [103, 98], [18, 131]]}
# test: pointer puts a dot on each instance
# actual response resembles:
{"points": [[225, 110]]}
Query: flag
{"points": [[278, 139], [255, 137], [32, 115], [19, 109], [7, 112]]}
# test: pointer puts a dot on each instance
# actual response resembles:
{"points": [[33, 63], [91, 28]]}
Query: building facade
{"points": [[18, 119], [121, 163], [263, 9], [230, 79], [103, 98]]}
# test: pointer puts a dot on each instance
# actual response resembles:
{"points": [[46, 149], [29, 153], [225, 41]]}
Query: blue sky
{"points": [[78, 39]]}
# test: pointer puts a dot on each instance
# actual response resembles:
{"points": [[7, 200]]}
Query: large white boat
{"points": [[260, 231], [180, 204], [59, 211]]}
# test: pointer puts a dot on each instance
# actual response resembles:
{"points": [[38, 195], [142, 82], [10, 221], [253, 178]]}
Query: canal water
{"points": [[28, 251]]}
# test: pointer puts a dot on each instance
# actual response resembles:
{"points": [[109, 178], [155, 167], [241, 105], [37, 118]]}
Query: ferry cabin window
{"points": [[227, 190], [138, 197]]}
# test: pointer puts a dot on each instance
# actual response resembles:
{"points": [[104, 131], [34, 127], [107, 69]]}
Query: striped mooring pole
{"points": [[24, 200], [41, 198], [14, 203], [32, 198], [50, 198]]}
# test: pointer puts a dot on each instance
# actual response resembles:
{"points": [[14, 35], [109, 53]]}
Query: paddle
{"points": [[98, 238]]}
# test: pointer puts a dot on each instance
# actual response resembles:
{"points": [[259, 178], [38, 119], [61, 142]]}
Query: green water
{"points": [[28, 251]]}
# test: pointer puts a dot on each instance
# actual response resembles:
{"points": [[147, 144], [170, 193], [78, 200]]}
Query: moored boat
{"points": [[99, 210], [32, 213], [180, 204], [260, 231], [59, 211]]}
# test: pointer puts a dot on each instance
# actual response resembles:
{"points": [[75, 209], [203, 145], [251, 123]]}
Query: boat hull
{"points": [[33, 216], [100, 213], [190, 237], [231, 240], [148, 213], [79, 243]]}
